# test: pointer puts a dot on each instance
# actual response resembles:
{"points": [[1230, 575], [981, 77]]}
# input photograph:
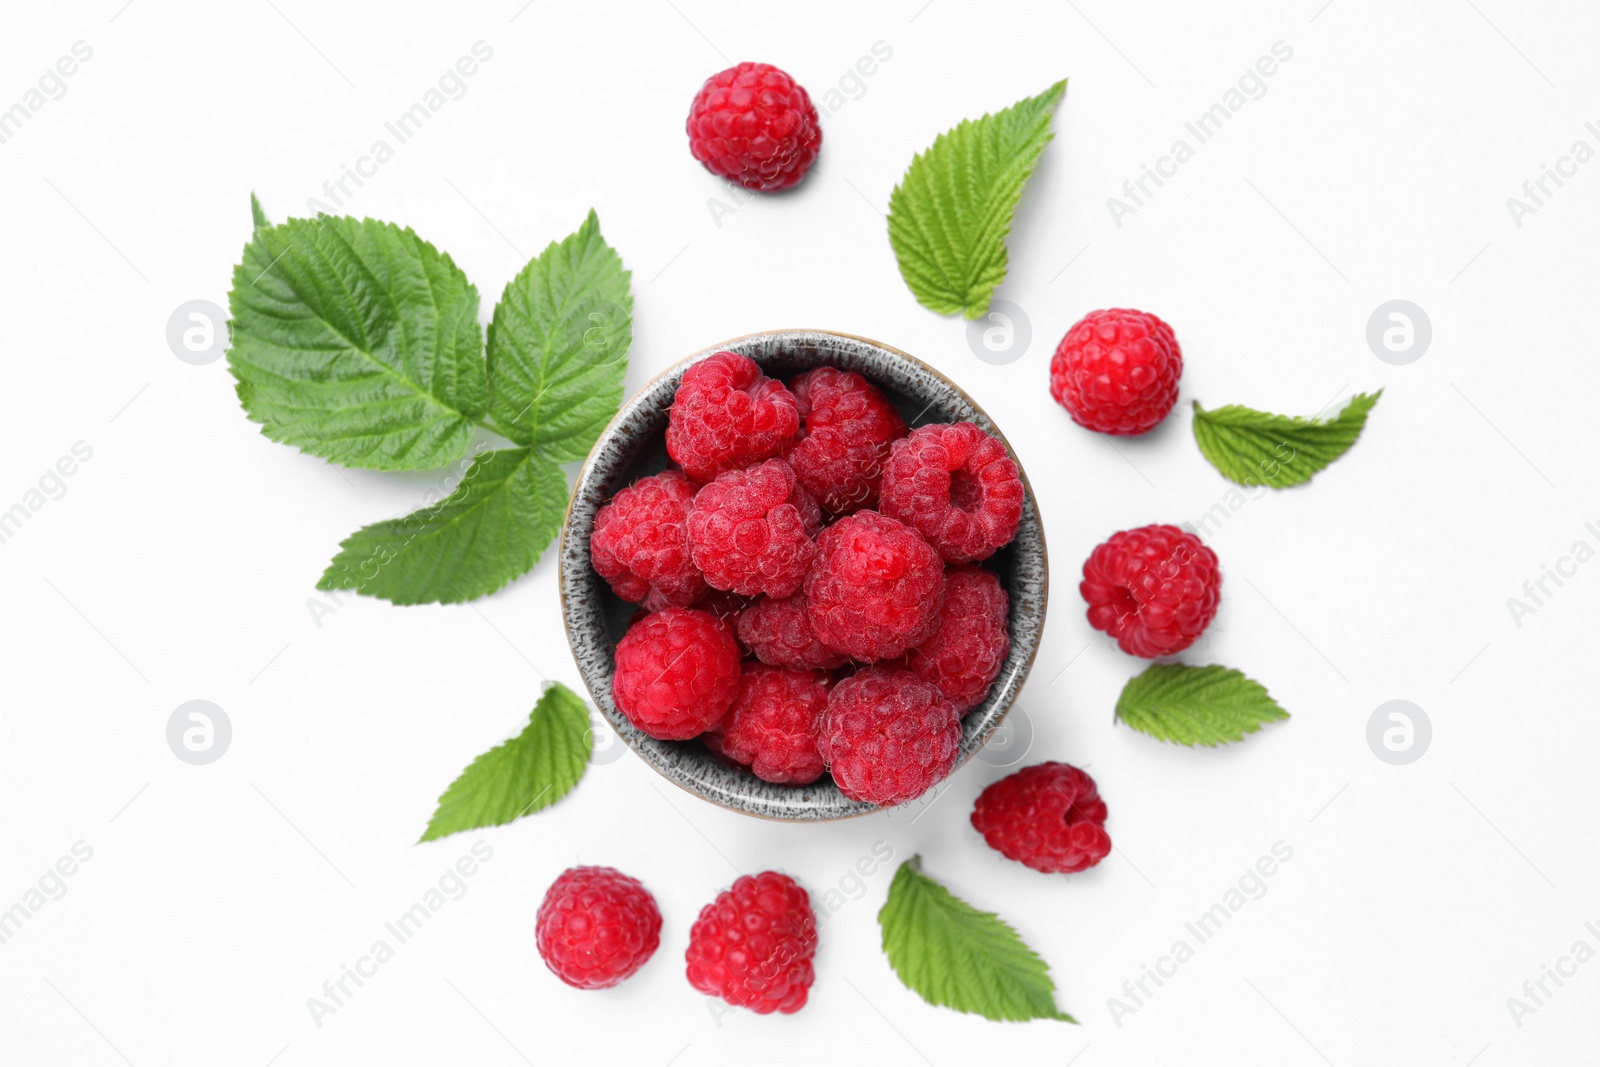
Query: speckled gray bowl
{"points": [[633, 446]]}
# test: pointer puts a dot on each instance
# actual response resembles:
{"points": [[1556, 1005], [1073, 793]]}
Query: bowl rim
{"points": [[629, 403]]}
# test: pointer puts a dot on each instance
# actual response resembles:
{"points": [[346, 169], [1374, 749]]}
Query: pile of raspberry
{"points": [[811, 576]]}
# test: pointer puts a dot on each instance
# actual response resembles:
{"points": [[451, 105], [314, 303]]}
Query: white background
{"points": [[180, 562]]}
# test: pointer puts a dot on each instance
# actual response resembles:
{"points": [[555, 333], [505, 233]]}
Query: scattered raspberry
{"points": [[779, 632], [753, 124], [875, 588], [772, 726], [748, 534], [726, 414], [1154, 589], [957, 486], [1117, 371], [753, 945], [966, 652], [888, 736], [640, 543], [596, 927], [849, 425], [1048, 816], [676, 673]]}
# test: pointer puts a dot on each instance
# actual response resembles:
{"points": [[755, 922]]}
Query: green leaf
{"points": [[491, 529], [1256, 448], [558, 346], [949, 216], [526, 774], [258, 218], [357, 341], [1196, 705], [954, 955]]}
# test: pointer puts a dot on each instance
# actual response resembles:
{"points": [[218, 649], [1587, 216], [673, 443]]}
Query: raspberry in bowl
{"points": [[816, 564]]}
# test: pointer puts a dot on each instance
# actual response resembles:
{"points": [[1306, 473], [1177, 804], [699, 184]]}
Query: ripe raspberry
{"points": [[966, 652], [1154, 589], [676, 673], [726, 414], [849, 425], [773, 724], [957, 486], [779, 632], [1048, 816], [875, 588], [1117, 371], [753, 124], [640, 543], [748, 532], [596, 927], [888, 736], [753, 945]]}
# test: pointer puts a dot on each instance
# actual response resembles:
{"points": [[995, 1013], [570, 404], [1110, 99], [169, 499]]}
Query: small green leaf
{"points": [[526, 774], [1196, 705], [955, 956], [1255, 448], [357, 341], [951, 213], [508, 507], [258, 218], [558, 346]]}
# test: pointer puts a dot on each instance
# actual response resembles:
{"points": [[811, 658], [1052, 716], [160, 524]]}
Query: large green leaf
{"points": [[1196, 705], [951, 213], [558, 345], [357, 341], [953, 955], [525, 774], [491, 529]]}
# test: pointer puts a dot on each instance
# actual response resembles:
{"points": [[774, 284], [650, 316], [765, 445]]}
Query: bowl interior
{"points": [[633, 446]]}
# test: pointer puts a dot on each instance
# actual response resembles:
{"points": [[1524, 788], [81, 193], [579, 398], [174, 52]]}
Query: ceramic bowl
{"points": [[633, 446]]}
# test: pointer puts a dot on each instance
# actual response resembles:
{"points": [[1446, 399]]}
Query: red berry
{"points": [[779, 632], [596, 927], [888, 736], [640, 543], [753, 945], [875, 588], [966, 652], [754, 125], [773, 724], [1154, 589], [726, 414], [957, 486], [1048, 816], [750, 530], [676, 673], [849, 425], [1117, 371]]}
